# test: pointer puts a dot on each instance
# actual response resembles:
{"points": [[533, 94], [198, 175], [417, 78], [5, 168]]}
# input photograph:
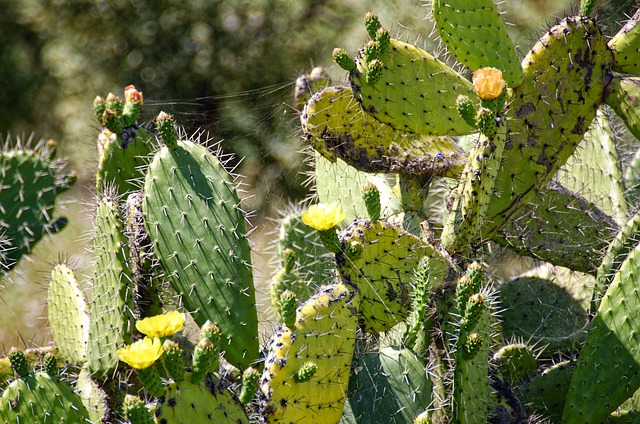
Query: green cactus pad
{"points": [[384, 270], [42, 399], [475, 34], [123, 167], [623, 95], [336, 126], [31, 178], [313, 263], [545, 229], [112, 295], [68, 315], [324, 333], [613, 344], [545, 394], [390, 386], [543, 313], [549, 113], [193, 217], [414, 93], [593, 171], [340, 183], [625, 46], [188, 403], [619, 249]]}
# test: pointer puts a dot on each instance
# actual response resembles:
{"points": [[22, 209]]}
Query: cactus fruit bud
{"points": [[151, 381], [517, 362], [374, 72], [205, 358], [343, 59], [467, 110], [465, 288], [475, 272], [136, 411], [132, 95], [472, 345], [488, 83], [19, 362], [306, 371], [98, 108], [172, 359], [371, 196], [250, 385], [287, 305], [372, 24], [487, 123], [475, 306], [372, 51], [383, 37], [212, 332], [165, 124], [51, 365]]}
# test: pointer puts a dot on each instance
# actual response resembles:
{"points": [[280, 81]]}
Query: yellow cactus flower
{"points": [[141, 354], [488, 83], [162, 325], [323, 216]]}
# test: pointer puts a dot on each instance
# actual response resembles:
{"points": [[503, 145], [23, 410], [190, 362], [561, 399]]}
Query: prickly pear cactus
{"points": [[194, 219], [324, 333], [31, 178]]}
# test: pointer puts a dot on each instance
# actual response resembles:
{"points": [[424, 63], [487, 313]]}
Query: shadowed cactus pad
{"points": [[336, 126], [324, 332], [542, 313], [193, 217], [389, 386]]}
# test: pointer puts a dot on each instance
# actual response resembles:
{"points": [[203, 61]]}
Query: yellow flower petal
{"points": [[488, 83], [162, 325], [141, 354], [323, 216]]}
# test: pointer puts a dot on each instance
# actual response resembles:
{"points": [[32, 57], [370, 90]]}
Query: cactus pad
{"points": [[193, 218], [31, 178], [475, 34], [324, 333], [188, 403], [623, 95], [389, 386], [414, 91], [625, 46], [549, 113], [382, 270], [68, 315], [336, 126]]}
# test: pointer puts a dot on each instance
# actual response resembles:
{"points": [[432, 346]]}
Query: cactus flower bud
{"points": [[343, 59], [488, 83], [132, 95]]}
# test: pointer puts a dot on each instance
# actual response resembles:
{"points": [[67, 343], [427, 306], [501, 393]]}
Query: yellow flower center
{"points": [[488, 83], [323, 216], [162, 325], [141, 354]]}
